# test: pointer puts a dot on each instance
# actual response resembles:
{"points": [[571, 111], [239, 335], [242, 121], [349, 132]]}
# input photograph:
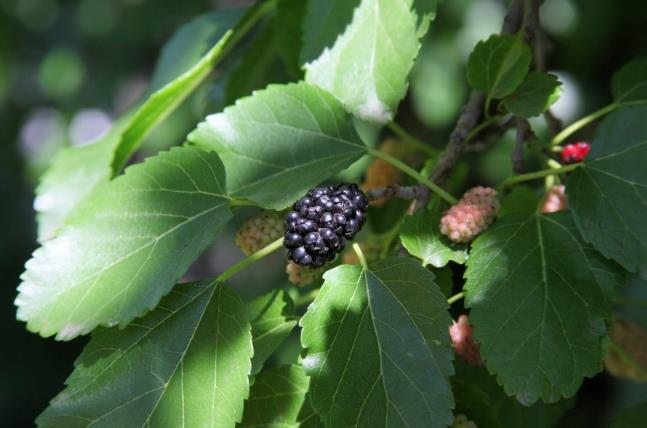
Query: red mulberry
{"points": [[576, 152], [555, 200], [463, 341], [471, 215]]}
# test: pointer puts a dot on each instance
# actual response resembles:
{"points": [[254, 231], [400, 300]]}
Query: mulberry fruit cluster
{"points": [[320, 223], [259, 231], [576, 152], [471, 215], [461, 421], [555, 200], [463, 341]]}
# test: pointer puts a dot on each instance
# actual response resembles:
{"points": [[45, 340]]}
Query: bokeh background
{"points": [[69, 68]]}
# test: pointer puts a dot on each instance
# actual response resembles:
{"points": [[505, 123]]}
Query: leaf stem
{"points": [[410, 139], [456, 297], [627, 359], [263, 252], [413, 174], [537, 174], [360, 255], [581, 123]]}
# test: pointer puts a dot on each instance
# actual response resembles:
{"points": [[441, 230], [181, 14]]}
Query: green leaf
{"points": [[537, 309], [184, 364], [127, 247], [276, 398], [498, 65], [483, 401], [77, 172], [420, 235], [629, 84], [608, 193], [377, 347], [288, 33], [368, 66], [280, 142], [522, 199], [73, 175], [324, 21], [631, 417], [189, 44], [535, 95], [272, 317]]}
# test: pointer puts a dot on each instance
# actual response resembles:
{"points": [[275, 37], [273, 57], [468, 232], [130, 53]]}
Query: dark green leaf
{"points": [[608, 193], [127, 246], [483, 401], [276, 398], [281, 142], [498, 65], [522, 199], [368, 66], [377, 347], [184, 364], [535, 95], [537, 309], [324, 21], [288, 33], [629, 84], [420, 235], [272, 317], [631, 417]]}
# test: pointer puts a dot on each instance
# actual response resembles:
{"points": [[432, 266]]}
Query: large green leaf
{"points": [[272, 317], [629, 84], [185, 63], [324, 21], [126, 248], [280, 142], [184, 364], [498, 65], [537, 309], [368, 66], [276, 398], [420, 235], [377, 347], [483, 401], [535, 95], [608, 193]]}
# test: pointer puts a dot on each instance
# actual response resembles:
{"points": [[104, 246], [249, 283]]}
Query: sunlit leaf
{"points": [[127, 247]]}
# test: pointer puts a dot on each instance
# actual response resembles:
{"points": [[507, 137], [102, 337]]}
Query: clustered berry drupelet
{"points": [[322, 221], [471, 215], [555, 200], [259, 231], [461, 421], [380, 173], [576, 152], [463, 341], [303, 275]]}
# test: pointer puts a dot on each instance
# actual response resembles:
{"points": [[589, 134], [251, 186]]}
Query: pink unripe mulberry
{"points": [[555, 200], [471, 215], [463, 341]]}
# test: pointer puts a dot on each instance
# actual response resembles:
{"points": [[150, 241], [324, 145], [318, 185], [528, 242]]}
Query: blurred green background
{"points": [[69, 68]]}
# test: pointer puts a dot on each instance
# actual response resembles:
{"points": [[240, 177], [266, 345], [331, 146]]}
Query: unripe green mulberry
{"points": [[301, 275], [259, 231], [461, 421]]}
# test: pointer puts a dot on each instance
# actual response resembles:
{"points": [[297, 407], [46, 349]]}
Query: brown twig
{"points": [[470, 116], [394, 190]]}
